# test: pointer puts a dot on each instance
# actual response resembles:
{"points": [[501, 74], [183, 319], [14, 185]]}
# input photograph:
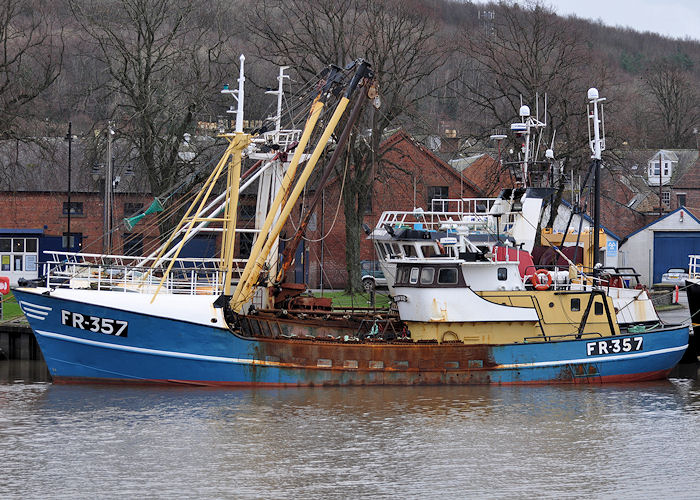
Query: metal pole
{"points": [[596, 216], [70, 143], [596, 191], [323, 232], [108, 193], [661, 165]]}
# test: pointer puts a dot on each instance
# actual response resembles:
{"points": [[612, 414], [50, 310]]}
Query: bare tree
{"points": [[30, 59], [397, 38], [529, 51], [164, 59], [676, 102]]}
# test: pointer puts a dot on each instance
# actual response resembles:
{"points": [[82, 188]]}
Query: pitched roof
{"points": [[669, 214], [401, 138], [41, 165]]}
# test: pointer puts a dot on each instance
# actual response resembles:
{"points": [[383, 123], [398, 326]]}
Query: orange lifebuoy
{"points": [[536, 281]]}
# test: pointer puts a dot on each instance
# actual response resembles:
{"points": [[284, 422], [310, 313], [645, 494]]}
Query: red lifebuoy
{"points": [[538, 283]]}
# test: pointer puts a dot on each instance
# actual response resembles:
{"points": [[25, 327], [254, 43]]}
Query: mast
{"points": [[254, 266], [292, 246], [231, 164], [526, 127], [597, 144]]}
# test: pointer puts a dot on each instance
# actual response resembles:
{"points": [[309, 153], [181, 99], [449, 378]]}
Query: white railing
{"points": [[694, 267], [194, 276], [469, 214]]}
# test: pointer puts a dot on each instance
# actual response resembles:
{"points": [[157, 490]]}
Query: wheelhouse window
{"points": [[428, 251], [414, 275], [598, 308], [447, 276], [402, 275], [409, 251], [575, 304], [502, 273], [427, 276]]}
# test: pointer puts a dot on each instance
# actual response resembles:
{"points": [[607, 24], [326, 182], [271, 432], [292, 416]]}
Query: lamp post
{"points": [[69, 138], [108, 193]]}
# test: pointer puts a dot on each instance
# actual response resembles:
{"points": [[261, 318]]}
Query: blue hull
{"points": [[162, 350]]}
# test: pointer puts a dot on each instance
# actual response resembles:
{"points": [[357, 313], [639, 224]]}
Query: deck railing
{"points": [[694, 266], [470, 215], [194, 276]]}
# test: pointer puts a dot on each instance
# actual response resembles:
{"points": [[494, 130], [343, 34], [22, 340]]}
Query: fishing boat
{"points": [[457, 319], [507, 228], [692, 290]]}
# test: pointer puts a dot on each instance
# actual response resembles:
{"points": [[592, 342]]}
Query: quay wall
{"points": [[18, 342]]}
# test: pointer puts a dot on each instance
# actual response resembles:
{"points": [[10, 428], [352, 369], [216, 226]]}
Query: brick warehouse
{"points": [[410, 176]]}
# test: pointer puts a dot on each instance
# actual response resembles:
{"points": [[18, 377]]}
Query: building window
{"points": [[245, 245], [74, 208], [133, 243], [680, 197], [666, 198], [73, 238], [368, 203], [18, 254], [247, 212], [132, 209], [653, 168], [437, 193]]}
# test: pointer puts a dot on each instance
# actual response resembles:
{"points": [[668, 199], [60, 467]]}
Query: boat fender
{"points": [[538, 282]]}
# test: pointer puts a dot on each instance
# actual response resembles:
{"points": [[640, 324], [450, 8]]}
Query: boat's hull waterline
{"points": [[80, 344]]}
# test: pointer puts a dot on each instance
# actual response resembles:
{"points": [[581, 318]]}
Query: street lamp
{"points": [[69, 138]]}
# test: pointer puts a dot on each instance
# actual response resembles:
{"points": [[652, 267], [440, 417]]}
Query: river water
{"points": [[92, 441]]}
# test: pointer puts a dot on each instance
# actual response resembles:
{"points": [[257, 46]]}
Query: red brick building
{"points": [[35, 207], [409, 176]]}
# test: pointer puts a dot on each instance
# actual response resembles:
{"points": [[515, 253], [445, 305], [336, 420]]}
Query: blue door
{"points": [[671, 249]]}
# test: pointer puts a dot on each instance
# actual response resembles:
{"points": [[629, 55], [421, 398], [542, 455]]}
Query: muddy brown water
{"points": [[92, 441]]}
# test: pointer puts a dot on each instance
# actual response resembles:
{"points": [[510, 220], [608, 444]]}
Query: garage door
{"points": [[671, 249]]}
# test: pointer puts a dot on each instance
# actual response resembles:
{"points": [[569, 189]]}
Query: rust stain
{"points": [[316, 352]]}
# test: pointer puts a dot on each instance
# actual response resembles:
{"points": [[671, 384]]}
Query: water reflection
{"points": [[551, 441]]}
